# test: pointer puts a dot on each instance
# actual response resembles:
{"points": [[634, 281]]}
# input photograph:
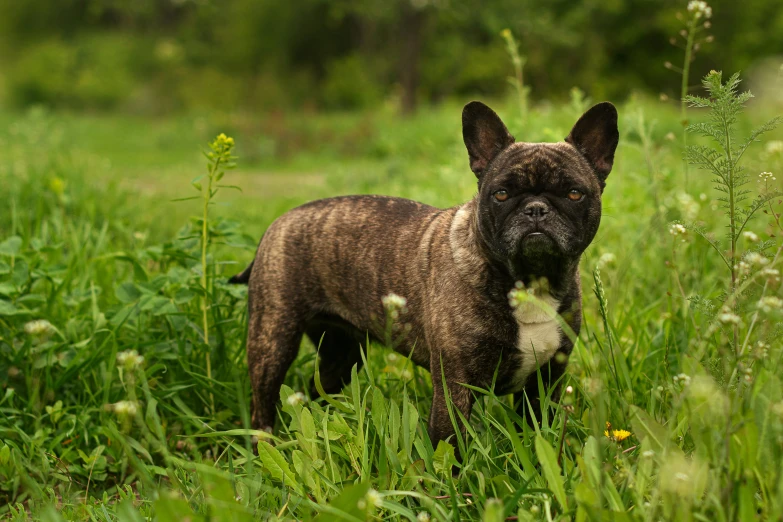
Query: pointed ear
{"points": [[595, 135], [484, 134]]}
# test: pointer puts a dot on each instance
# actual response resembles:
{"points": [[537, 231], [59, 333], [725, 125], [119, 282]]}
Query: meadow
{"points": [[117, 404]]}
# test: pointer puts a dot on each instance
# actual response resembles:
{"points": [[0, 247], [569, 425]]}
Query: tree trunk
{"points": [[411, 32]]}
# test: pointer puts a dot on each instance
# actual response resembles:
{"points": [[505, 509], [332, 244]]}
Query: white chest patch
{"points": [[538, 338]]}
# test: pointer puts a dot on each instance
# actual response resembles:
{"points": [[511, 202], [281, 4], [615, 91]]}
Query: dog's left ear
{"points": [[595, 136], [484, 134]]}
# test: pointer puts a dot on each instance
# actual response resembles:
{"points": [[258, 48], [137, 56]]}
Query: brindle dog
{"points": [[322, 268]]}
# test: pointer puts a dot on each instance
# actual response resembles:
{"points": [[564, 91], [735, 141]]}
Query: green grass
{"points": [[113, 263]]}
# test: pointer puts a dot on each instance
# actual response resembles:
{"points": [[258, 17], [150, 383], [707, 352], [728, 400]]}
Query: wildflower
{"points": [[677, 229], [761, 350], [394, 305], [772, 274], [39, 328], [777, 409], [606, 259], [742, 267], [57, 185], [569, 390], [729, 318], [296, 398], [748, 374], [423, 516], [406, 374], [616, 435], [534, 509], [125, 408], [774, 147], [505, 33], [374, 498], [764, 177], [682, 380], [699, 9], [750, 236], [754, 258], [688, 206], [769, 303], [224, 141], [130, 359]]}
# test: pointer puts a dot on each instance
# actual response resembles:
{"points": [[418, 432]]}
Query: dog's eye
{"points": [[575, 195], [501, 195]]}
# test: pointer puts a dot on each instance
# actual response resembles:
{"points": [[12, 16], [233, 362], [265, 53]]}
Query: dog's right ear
{"points": [[484, 134]]}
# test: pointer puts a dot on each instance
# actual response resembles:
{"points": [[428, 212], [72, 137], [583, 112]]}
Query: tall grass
{"points": [[109, 411]]}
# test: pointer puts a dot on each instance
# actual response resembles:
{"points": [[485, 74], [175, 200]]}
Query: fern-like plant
{"points": [[724, 161]]}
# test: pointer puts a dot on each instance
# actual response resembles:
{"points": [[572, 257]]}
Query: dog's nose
{"points": [[536, 209]]}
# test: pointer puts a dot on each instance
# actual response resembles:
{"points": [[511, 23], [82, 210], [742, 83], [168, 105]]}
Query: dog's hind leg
{"points": [[339, 349], [272, 345]]}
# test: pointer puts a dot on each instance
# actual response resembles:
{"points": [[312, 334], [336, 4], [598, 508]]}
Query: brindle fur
{"points": [[322, 268]]}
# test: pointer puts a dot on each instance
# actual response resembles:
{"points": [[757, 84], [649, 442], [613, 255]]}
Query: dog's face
{"points": [[539, 202]]}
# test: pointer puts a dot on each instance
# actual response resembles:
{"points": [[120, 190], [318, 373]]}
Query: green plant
{"points": [[696, 21], [517, 81], [219, 159], [724, 161]]}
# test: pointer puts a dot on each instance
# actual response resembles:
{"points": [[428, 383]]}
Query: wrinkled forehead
{"points": [[543, 163]]}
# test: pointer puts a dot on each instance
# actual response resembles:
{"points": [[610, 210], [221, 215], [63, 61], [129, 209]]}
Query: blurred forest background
{"points": [[154, 57]]}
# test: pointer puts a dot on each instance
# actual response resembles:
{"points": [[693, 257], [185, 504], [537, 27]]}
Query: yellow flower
{"points": [[505, 33], [617, 435]]}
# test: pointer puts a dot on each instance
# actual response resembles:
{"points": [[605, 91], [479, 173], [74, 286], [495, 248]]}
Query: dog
{"points": [[322, 270]]}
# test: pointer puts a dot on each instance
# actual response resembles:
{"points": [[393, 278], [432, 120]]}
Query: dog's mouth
{"points": [[537, 242]]}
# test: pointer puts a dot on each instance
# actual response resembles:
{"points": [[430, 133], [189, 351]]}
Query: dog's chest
{"points": [[538, 337]]}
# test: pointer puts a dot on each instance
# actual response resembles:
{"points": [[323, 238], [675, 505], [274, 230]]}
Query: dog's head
{"points": [[539, 203]]}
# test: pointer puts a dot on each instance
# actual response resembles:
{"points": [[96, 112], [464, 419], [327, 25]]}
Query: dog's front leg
{"points": [[461, 398], [530, 398]]}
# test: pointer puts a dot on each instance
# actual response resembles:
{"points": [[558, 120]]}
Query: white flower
{"points": [[606, 259], [750, 236], [754, 258], [406, 374], [682, 379], [677, 229], [374, 498], [125, 408], [766, 176], [394, 304], [38, 328], [296, 398], [769, 303], [688, 206], [569, 390], [700, 8], [729, 318], [774, 147], [130, 359], [423, 516]]}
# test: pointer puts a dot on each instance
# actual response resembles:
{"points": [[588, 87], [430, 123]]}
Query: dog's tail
{"points": [[244, 277]]}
